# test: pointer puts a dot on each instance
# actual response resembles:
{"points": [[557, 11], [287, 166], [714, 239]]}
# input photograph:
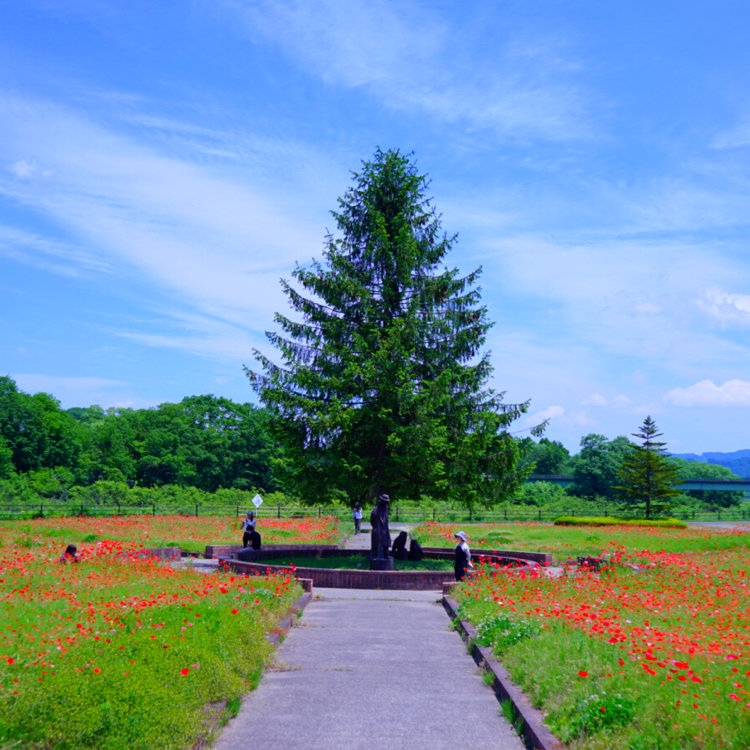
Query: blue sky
{"points": [[163, 165]]}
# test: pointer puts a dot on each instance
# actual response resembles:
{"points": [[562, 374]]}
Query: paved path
{"points": [[369, 670]]}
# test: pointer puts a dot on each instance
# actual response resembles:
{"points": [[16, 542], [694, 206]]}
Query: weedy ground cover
{"points": [[188, 532], [566, 542], [118, 651], [651, 658]]}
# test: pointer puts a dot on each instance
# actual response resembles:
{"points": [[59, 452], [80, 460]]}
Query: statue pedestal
{"points": [[381, 563]]}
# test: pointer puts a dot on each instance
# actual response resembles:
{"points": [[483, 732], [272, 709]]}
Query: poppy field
{"points": [[650, 653], [188, 532], [122, 651], [566, 542]]}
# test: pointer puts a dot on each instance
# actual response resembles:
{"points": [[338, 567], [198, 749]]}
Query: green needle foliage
{"points": [[383, 381], [646, 474]]}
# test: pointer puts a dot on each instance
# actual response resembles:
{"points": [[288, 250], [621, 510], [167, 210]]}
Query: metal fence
{"points": [[398, 514]]}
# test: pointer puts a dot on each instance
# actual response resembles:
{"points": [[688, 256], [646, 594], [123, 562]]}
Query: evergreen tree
{"points": [[383, 382], [646, 474]]}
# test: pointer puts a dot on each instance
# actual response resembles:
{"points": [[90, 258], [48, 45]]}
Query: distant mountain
{"points": [[737, 461]]}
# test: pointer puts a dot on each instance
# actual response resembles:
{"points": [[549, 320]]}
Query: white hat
{"points": [[461, 535]]}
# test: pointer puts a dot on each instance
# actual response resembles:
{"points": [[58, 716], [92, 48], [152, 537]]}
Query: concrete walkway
{"points": [[371, 669]]}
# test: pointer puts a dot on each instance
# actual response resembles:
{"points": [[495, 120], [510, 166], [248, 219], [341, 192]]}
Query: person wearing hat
{"points": [[248, 527], [463, 556]]}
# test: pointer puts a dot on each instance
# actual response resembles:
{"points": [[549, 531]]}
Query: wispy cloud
{"points": [[726, 307], [71, 390], [737, 136], [411, 59], [64, 259], [732, 393], [219, 241]]}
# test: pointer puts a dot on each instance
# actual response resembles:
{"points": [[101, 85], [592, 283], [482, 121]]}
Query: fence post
{"points": [[153, 509], [278, 511], [196, 510]]}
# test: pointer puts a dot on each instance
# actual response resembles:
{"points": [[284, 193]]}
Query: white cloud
{"points": [[64, 259], [218, 239], [22, 169], [726, 307], [733, 393], [398, 52], [595, 399], [734, 137], [550, 413], [63, 388]]}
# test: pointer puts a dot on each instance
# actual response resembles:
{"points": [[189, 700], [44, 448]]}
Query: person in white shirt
{"points": [[463, 557]]}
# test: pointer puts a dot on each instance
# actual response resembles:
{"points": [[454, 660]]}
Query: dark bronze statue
{"points": [[380, 538], [398, 550]]}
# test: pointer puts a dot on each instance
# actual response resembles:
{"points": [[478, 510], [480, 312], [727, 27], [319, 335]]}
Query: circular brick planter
{"points": [[413, 580]]}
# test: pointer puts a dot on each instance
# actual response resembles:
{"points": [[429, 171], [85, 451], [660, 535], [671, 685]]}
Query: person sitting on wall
{"points": [[247, 526], [416, 552], [398, 550]]}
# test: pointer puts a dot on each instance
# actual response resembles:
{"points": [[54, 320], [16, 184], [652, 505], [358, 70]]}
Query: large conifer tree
{"points": [[383, 384]]}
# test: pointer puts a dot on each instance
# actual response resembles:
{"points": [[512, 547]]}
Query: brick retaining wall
{"points": [[304, 550], [408, 580], [541, 558]]}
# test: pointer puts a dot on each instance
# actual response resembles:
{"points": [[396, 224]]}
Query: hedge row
{"points": [[605, 521]]}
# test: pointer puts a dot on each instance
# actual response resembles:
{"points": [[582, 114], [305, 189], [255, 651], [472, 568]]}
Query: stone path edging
{"points": [[535, 733], [282, 628]]}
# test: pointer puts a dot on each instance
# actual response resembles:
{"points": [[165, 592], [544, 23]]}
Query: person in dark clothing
{"points": [[70, 555], [254, 539], [415, 551], [398, 550], [248, 526], [380, 536], [463, 557]]}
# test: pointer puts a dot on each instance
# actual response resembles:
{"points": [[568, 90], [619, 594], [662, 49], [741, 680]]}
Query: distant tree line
{"points": [[203, 442], [210, 449], [597, 472]]}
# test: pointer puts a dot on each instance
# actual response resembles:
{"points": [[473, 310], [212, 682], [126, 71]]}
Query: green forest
{"points": [[208, 450]]}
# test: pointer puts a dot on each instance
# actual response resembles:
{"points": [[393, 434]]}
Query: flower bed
{"points": [[124, 651], [658, 659]]}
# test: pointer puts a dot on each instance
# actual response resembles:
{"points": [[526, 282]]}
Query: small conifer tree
{"points": [[646, 474]]}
